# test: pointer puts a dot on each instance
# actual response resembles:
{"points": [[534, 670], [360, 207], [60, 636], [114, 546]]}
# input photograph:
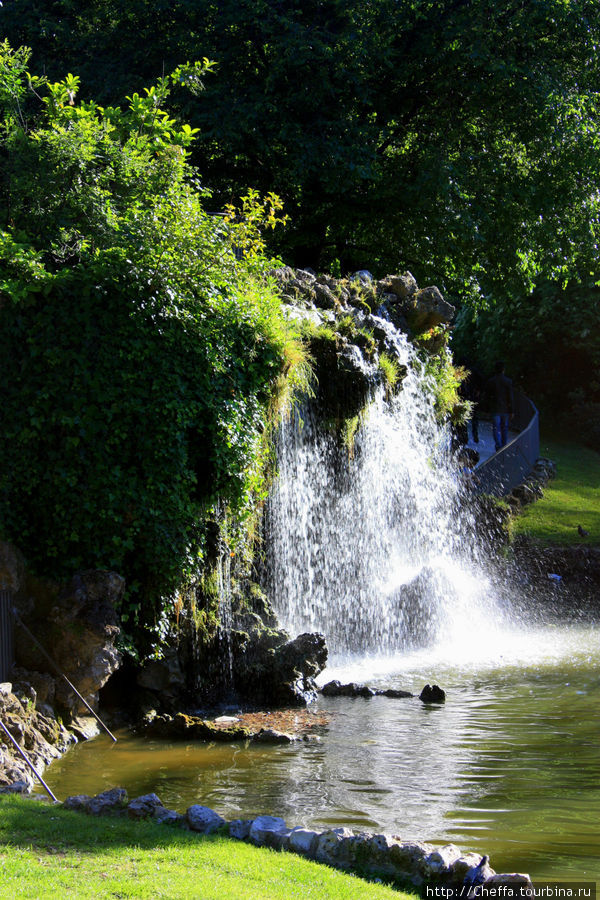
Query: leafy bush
{"points": [[141, 356]]}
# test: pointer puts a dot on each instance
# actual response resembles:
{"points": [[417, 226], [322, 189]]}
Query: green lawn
{"points": [[571, 499], [48, 852]]}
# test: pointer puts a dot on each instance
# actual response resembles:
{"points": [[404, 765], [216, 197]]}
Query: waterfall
{"points": [[376, 548]]}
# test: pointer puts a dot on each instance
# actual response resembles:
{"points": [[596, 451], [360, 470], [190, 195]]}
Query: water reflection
{"points": [[510, 765]]}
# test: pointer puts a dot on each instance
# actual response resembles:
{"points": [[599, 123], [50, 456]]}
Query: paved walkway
{"points": [[485, 447]]}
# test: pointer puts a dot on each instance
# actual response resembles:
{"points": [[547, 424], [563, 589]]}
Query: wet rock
{"points": [[162, 674], [203, 819], [268, 831], [240, 829], [324, 297], [78, 803], [144, 807], [108, 802], [77, 623], [431, 693], [85, 727], [337, 689], [271, 736], [394, 694]]}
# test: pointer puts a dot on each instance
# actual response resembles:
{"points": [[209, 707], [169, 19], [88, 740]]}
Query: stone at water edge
{"points": [[431, 693], [108, 802], [441, 860], [144, 807], [303, 841], [78, 803], [264, 830], [203, 819], [240, 829], [163, 816], [271, 736]]}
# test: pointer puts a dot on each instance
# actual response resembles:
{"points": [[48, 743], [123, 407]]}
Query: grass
{"points": [[571, 499], [48, 852]]}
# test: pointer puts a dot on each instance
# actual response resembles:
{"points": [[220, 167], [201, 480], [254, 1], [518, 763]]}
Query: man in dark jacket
{"points": [[500, 396]]}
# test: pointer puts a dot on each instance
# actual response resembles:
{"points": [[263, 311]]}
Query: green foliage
{"points": [[445, 380], [390, 371], [459, 140], [141, 355]]}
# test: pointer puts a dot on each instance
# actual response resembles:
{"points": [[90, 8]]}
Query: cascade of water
{"points": [[375, 551], [225, 616]]}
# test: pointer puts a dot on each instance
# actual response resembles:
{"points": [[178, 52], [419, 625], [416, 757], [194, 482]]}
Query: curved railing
{"points": [[507, 468]]}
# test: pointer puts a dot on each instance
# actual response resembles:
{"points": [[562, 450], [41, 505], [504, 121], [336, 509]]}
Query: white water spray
{"points": [[376, 550]]}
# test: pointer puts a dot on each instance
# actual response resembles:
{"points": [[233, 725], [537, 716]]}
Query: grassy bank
{"points": [[571, 499], [48, 852]]}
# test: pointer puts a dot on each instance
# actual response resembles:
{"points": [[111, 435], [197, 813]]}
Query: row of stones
{"points": [[377, 854]]}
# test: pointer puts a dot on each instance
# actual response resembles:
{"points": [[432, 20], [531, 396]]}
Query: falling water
{"points": [[377, 548]]}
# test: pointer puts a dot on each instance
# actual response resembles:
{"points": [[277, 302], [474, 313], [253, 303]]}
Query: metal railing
{"points": [[7, 639], [507, 468]]}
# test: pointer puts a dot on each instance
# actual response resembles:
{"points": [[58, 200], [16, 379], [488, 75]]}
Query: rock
{"points": [[271, 736], [475, 875], [78, 803], [203, 819], [163, 816], [6, 688], [240, 829], [363, 275], [431, 693], [403, 287], [409, 857], [329, 844], [86, 727], [394, 694], [440, 862], [324, 297], [162, 674], [17, 787], [144, 807], [429, 309], [516, 879], [108, 802], [77, 623], [303, 841], [268, 831], [336, 689]]}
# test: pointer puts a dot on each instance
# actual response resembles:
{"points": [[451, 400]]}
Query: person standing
{"points": [[501, 404]]}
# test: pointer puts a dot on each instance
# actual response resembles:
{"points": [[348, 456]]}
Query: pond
{"points": [[510, 765]]}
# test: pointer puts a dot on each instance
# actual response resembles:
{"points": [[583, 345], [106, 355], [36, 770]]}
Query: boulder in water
{"points": [[432, 693]]}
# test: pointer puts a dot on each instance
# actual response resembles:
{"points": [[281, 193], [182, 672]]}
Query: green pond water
{"points": [[510, 765]]}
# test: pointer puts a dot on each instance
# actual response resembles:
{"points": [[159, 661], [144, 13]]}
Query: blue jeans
{"points": [[500, 428]]}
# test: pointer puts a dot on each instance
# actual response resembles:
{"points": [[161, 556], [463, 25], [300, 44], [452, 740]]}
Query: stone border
{"points": [[363, 853]]}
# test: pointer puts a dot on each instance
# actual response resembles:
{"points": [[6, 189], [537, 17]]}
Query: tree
{"points": [[140, 355], [457, 137]]}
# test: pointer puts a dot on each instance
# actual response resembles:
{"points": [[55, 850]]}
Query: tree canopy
{"points": [[458, 138]]}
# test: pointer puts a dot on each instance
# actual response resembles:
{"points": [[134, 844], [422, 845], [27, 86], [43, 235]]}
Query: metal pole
{"points": [[62, 674], [27, 760]]}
